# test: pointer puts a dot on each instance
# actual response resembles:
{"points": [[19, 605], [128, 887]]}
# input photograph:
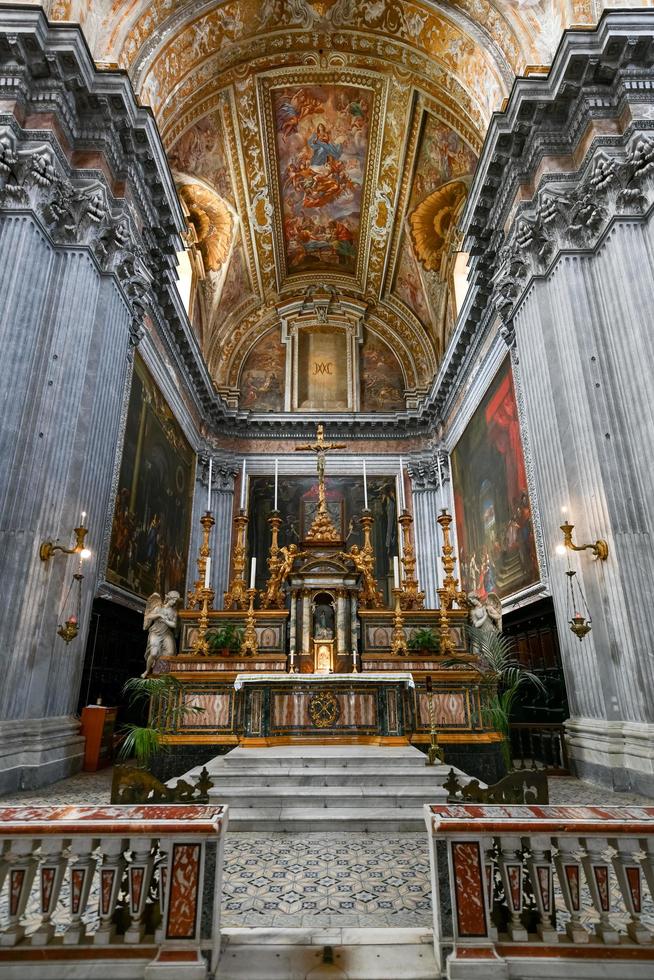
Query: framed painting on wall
{"points": [[149, 542], [497, 550]]}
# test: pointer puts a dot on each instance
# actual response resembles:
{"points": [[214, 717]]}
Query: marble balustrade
{"points": [[518, 885], [71, 869]]}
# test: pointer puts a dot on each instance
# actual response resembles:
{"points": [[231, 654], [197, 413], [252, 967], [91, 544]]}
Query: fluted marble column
{"points": [[222, 501], [568, 283], [429, 481], [77, 270]]}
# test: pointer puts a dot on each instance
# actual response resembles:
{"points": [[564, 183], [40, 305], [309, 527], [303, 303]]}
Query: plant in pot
{"points": [[226, 641], [425, 641], [503, 677], [143, 742]]}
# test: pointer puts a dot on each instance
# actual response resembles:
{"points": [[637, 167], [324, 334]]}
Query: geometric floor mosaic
{"points": [[304, 880]]}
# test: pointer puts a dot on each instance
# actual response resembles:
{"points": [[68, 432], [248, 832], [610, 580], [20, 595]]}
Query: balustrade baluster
{"points": [[598, 877], [82, 868], [539, 865], [568, 869], [629, 863], [139, 874], [510, 865], [21, 868], [54, 860], [111, 876]]}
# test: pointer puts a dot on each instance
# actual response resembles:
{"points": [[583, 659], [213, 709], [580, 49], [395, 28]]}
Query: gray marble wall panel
{"points": [[585, 349], [64, 334]]}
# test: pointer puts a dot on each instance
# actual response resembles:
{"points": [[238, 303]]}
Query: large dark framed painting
{"points": [[493, 513], [150, 532], [297, 502]]}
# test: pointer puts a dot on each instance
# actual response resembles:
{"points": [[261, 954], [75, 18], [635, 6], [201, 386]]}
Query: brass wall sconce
{"points": [[600, 549], [49, 548]]}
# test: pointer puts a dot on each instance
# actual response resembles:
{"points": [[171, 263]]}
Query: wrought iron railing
{"points": [[539, 746]]}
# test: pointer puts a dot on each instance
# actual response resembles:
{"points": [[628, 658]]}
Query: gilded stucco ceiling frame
{"points": [[310, 75]]}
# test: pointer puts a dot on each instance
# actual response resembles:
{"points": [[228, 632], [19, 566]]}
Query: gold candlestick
{"points": [[450, 587], [250, 646], [446, 646], [195, 595], [200, 644], [273, 596], [412, 598], [434, 753], [236, 595], [398, 640]]}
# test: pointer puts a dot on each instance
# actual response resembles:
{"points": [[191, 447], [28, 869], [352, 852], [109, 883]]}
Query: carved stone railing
{"points": [[109, 884], [514, 886]]}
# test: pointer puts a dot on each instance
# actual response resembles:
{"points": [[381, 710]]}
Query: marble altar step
{"points": [[326, 788]]}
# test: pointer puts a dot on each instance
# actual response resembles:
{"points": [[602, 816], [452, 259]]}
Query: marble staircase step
{"points": [[329, 796], [316, 756], [323, 776], [297, 819]]}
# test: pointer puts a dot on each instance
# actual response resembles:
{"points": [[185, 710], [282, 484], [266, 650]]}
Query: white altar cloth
{"points": [[368, 677]]}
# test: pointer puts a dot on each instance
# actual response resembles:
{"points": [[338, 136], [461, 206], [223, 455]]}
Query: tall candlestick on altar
{"points": [[243, 486], [276, 481], [365, 487], [402, 501], [253, 572], [209, 484], [396, 572]]}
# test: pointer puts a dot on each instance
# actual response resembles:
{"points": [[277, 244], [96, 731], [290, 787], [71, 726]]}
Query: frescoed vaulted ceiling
{"points": [[324, 145]]}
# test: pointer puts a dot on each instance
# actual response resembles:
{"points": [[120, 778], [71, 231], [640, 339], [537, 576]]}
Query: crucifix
{"points": [[322, 527]]}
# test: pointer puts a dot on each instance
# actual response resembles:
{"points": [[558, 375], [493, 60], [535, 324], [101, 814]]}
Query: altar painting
{"points": [[151, 525], [322, 140], [297, 502], [495, 535]]}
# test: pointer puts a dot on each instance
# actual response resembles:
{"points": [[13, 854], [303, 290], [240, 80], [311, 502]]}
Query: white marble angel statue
{"points": [[160, 620], [486, 616]]}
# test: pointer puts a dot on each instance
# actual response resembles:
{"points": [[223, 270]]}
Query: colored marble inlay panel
{"points": [[184, 891], [136, 876], [468, 889], [633, 880], [514, 875], [601, 873], [451, 709], [15, 887], [357, 710], [77, 883], [544, 876], [47, 884], [107, 876], [216, 710], [572, 877]]}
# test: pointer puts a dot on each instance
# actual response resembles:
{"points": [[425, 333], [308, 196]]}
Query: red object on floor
{"points": [[98, 729]]}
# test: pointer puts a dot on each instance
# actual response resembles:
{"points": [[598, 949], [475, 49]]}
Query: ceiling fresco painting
{"points": [[321, 140], [324, 143], [382, 381], [263, 378]]}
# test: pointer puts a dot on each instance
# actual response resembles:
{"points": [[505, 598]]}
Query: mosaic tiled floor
{"points": [[326, 880]]}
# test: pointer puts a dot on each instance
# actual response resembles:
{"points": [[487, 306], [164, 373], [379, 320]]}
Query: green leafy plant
{"points": [[425, 639], [504, 677], [229, 637], [143, 742]]}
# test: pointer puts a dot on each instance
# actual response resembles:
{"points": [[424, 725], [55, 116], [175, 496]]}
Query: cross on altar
{"points": [[322, 528]]}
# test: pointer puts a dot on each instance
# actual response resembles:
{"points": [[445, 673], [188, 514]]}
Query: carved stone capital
{"points": [[429, 472]]}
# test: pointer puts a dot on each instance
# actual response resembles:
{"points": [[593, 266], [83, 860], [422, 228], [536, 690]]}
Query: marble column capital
{"points": [[429, 472]]}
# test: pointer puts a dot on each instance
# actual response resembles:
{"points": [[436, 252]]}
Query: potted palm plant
{"points": [[226, 641], [503, 676], [425, 641], [143, 742]]}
